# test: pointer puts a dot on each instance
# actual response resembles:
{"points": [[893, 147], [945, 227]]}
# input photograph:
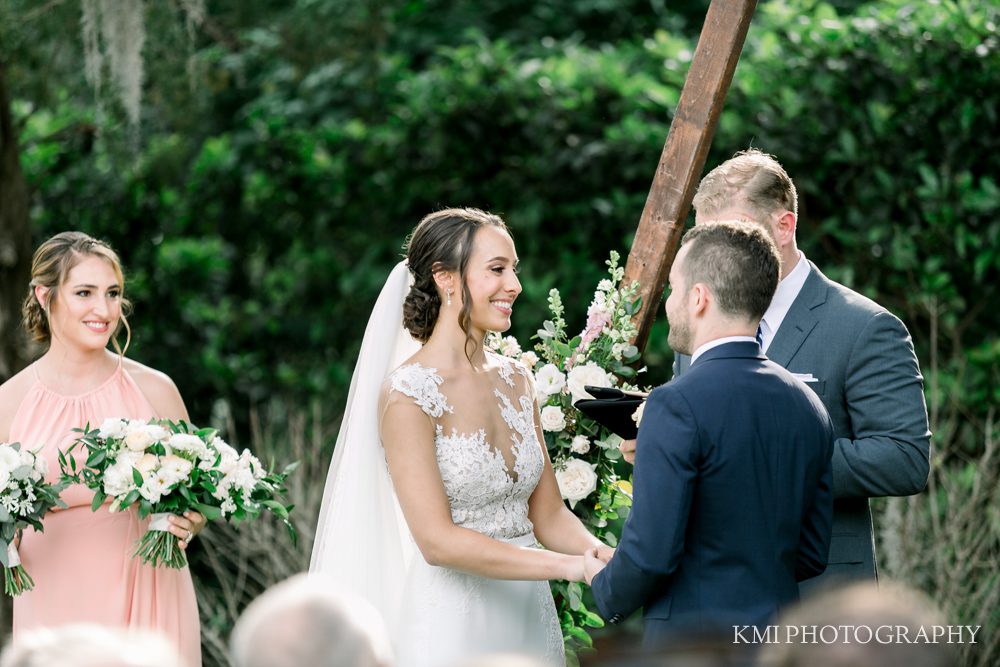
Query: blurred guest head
{"points": [[874, 626], [305, 622], [89, 646]]}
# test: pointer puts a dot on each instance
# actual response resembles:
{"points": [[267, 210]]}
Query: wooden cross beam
{"points": [[684, 153]]}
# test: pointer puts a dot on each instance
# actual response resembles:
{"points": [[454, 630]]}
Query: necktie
{"points": [[760, 337]]}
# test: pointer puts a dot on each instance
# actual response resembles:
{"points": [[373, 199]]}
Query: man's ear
{"points": [[698, 300], [784, 228], [42, 295]]}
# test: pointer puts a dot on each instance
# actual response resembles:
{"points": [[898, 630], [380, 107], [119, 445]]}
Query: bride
{"points": [[456, 430]]}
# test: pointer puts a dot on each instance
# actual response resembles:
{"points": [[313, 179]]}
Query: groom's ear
{"points": [[699, 299]]}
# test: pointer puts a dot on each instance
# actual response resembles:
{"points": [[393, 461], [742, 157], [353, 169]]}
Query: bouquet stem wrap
{"points": [[15, 579], [158, 546]]}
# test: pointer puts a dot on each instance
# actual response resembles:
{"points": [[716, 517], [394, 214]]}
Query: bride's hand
{"points": [[604, 553]]}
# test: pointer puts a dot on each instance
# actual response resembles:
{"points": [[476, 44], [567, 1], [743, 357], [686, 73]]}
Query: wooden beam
{"points": [[683, 157]]}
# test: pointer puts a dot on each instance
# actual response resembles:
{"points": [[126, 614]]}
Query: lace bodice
{"points": [[486, 493]]}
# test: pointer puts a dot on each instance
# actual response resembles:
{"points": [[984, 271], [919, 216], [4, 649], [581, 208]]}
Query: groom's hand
{"points": [[592, 564], [604, 552], [627, 448]]}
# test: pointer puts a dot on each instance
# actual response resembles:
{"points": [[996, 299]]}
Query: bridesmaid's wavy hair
{"points": [[49, 267], [442, 242]]}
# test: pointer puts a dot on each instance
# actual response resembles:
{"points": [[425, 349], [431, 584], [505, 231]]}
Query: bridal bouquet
{"points": [[584, 454], [24, 499], [167, 468]]}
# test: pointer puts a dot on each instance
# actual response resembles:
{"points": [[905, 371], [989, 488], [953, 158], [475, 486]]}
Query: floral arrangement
{"points": [[24, 499], [584, 454], [167, 467]]}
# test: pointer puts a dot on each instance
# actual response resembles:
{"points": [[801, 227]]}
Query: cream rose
{"points": [[553, 418], [529, 359], [138, 440], [580, 445], [588, 374], [637, 415], [576, 480]]}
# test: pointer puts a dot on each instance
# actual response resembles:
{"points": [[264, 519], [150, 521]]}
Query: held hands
{"points": [[627, 448], [595, 560], [186, 527]]}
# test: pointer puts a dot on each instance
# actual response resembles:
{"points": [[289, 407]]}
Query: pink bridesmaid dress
{"points": [[82, 564]]}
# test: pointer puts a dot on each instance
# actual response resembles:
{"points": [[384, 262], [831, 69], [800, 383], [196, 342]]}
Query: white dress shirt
{"points": [[788, 289], [705, 347]]}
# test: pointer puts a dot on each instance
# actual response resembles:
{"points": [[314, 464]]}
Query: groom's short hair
{"points": [[738, 262], [305, 621]]}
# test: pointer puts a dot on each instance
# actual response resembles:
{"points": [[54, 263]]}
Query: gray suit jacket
{"points": [[868, 378]]}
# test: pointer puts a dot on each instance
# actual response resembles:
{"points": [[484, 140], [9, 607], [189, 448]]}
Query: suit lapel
{"points": [[801, 319]]}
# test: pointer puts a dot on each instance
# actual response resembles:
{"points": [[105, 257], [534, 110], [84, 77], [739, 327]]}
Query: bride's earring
{"points": [[449, 298]]}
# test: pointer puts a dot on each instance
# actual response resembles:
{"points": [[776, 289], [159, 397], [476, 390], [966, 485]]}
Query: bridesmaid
{"points": [[82, 564]]}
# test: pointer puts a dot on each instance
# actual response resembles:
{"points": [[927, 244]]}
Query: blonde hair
{"points": [[750, 178], [50, 265]]}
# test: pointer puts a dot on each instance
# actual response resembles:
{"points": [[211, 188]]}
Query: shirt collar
{"points": [[705, 347], [784, 296]]}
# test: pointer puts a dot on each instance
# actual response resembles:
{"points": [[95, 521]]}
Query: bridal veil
{"points": [[362, 541]]}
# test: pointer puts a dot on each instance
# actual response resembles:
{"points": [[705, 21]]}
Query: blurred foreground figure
{"points": [[874, 627], [303, 622], [501, 660], [90, 646]]}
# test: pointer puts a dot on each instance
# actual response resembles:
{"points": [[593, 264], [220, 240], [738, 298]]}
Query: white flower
{"points": [[189, 444], [174, 469], [146, 464], [580, 445], [510, 347], [605, 285], [637, 415], [41, 465], [10, 459], [529, 359], [153, 489], [113, 427], [553, 418], [588, 374], [138, 440], [617, 349], [576, 480], [118, 478], [549, 380]]}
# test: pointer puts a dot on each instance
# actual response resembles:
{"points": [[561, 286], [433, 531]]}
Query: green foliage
{"points": [[266, 202]]}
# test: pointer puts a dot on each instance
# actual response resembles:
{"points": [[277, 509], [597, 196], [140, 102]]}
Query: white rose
{"points": [[549, 380], [553, 418], [576, 480], [41, 465], [10, 459], [138, 440], [187, 443], [175, 468], [147, 464], [113, 427], [529, 359], [637, 415], [118, 480], [588, 374], [580, 445]]}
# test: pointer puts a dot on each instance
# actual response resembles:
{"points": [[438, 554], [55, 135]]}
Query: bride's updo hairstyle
{"points": [[49, 267], [441, 242]]}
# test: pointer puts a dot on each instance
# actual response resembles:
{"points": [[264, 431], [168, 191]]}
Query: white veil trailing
{"points": [[362, 541]]}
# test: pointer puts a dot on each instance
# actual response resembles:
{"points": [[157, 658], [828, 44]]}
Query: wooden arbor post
{"points": [[683, 157]]}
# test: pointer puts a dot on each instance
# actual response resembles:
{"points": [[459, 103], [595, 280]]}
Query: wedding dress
{"points": [[437, 616]]}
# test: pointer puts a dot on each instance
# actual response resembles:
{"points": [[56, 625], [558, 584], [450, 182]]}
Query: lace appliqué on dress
{"points": [[421, 384]]}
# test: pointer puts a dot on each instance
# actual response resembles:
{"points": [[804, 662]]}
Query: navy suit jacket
{"points": [[733, 502], [867, 376]]}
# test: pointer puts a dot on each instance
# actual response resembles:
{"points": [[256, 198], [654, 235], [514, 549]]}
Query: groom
{"points": [[732, 501]]}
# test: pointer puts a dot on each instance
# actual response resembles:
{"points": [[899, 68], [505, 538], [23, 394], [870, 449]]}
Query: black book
{"points": [[613, 409]]}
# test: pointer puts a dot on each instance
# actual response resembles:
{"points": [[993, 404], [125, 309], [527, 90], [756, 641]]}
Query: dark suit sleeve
{"points": [[817, 528], [652, 541], [889, 454]]}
